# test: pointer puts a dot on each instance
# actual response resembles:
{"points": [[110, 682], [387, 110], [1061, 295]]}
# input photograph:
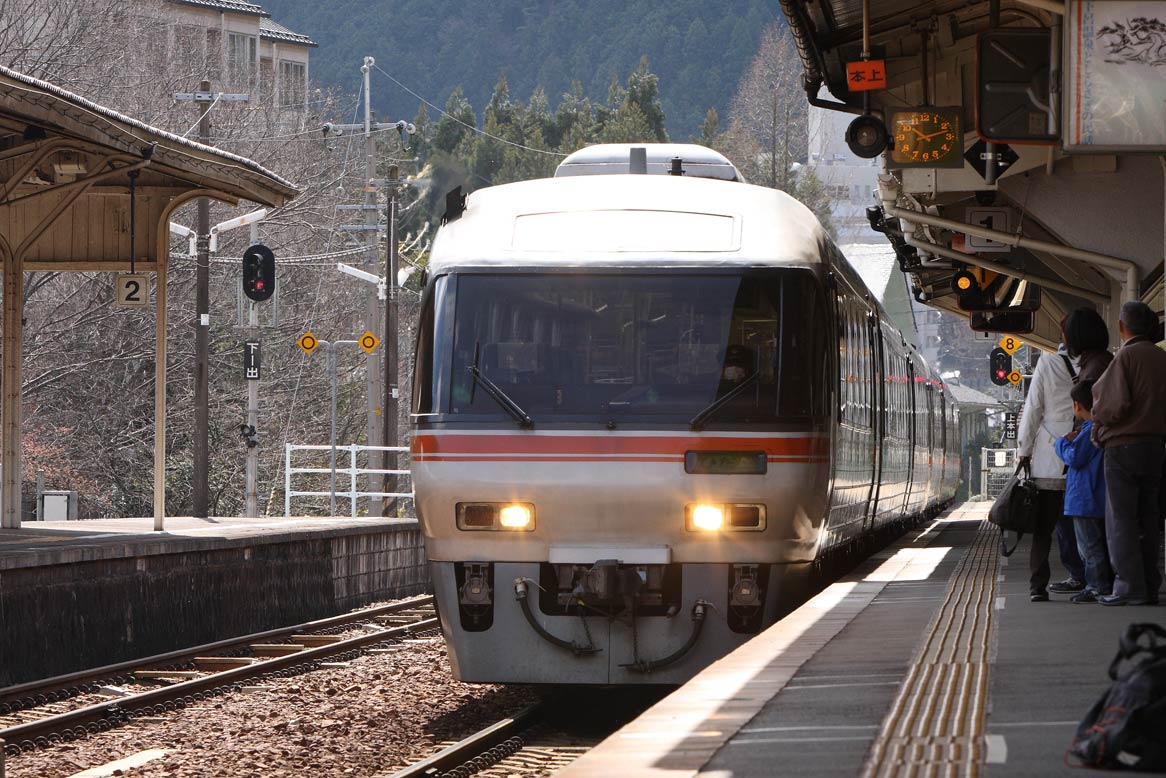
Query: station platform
{"points": [[928, 659], [78, 594]]}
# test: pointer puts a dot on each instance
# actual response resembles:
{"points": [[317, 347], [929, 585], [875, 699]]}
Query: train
{"points": [[648, 397]]}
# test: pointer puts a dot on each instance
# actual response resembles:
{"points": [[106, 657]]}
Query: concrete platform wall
{"points": [[57, 618]]}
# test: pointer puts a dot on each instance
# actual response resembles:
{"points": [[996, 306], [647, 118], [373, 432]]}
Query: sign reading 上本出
{"points": [[865, 75], [1010, 426], [1010, 344]]}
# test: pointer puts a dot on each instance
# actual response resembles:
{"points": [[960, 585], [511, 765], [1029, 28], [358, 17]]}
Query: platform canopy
{"points": [[68, 167], [988, 171]]}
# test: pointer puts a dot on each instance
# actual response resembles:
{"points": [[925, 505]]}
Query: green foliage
{"points": [[699, 50]]}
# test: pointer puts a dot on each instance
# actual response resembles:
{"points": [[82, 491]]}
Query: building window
{"points": [[292, 83], [241, 54]]}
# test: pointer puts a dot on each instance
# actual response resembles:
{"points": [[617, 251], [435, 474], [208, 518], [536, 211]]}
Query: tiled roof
{"points": [[118, 128], [239, 6], [967, 396], [273, 30]]}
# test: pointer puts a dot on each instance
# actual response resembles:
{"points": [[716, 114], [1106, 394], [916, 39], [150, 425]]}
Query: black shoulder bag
{"points": [[1015, 507]]}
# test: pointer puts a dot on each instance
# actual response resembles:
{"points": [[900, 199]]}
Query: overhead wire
{"points": [[467, 126]]}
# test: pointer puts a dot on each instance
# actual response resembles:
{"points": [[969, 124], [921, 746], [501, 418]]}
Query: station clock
{"points": [[927, 137]]}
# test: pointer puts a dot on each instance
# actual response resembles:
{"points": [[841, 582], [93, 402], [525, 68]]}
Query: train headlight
{"points": [[506, 516], [724, 517], [516, 516], [708, 517]]}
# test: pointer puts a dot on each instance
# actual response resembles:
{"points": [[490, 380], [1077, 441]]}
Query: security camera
{"points": [[328, 129]]}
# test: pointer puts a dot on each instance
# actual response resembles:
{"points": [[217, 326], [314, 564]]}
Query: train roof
{"points": [[614, 158], [629, 221]]}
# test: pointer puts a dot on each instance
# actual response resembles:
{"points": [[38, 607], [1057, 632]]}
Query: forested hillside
{"points": [[698, 49]]}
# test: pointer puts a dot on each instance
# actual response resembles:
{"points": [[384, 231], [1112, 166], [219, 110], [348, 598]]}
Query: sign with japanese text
{"points": [[251, 360], [865, 75]]}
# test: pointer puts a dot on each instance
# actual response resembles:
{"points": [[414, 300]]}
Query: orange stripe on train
{"points": [[599, 445]]}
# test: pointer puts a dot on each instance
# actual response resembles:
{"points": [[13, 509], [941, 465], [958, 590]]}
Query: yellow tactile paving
{"points": [[936, 725]]}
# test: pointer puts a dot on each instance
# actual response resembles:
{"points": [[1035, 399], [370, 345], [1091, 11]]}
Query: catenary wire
{"points": [[467, 126]]}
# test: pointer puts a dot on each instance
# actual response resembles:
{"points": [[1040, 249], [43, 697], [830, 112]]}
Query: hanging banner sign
{"points": [[1114, 88]]}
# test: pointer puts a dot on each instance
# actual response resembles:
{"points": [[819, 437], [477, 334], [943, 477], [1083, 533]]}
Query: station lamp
{"points": [[1000, 364]]}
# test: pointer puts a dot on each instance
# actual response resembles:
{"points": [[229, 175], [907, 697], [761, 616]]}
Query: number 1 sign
{"points": [[133, 291]]}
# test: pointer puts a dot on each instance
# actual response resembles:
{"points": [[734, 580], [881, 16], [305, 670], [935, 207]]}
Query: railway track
{"points": [[538, 740], [67, 707]]}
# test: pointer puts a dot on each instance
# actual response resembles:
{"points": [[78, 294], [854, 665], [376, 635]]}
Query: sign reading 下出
{"points": [[251, 360]]}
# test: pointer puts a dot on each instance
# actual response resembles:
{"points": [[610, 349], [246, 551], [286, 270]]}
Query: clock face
{"points": [[927, 137]]}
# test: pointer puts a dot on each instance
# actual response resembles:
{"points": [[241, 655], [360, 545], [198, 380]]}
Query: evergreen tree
{"points": [[643, 92], [709, 130], [454, 126]]}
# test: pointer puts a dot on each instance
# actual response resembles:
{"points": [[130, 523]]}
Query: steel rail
{"points": [[467, 749], [21, 735], [55, 683]]}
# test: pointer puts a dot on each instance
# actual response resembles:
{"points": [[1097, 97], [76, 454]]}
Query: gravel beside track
{"points": [[377, 711]]}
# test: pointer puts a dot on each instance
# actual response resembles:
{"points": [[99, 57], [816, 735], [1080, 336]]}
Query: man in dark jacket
{"points": [[1129, 412]]}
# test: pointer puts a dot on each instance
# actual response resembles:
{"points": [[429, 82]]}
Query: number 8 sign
{"points": [[133, 291], [1010, 344]]}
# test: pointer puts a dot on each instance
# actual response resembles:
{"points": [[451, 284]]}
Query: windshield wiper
{"points": [[499, 396], [699, 419]]}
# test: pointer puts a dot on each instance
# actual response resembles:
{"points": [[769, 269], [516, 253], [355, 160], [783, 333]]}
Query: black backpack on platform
{"points": [[1126, 728]]}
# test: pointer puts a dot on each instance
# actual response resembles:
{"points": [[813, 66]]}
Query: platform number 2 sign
{"points": [[133, 291]]}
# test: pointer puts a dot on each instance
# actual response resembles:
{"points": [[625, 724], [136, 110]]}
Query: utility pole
{"points": [[202, 325], [392, 392], [372, 315], [203, 100], [251, 496], [382, 371]]}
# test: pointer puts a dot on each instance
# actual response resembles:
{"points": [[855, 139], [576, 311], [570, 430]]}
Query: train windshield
{"points": [[718, 349]]}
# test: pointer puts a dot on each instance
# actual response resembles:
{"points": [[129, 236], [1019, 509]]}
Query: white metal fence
{"points": [[997, 465], [343, 482]]}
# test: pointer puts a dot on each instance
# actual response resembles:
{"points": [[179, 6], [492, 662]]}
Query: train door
{"points": [[878, 414], [912, 435], [853, 461]]}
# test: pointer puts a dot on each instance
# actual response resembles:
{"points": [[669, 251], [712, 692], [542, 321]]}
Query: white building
{"points": [[849, 181]]}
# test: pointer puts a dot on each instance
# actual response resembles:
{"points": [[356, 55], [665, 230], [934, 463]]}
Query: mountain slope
{"points": [[698, 49]]}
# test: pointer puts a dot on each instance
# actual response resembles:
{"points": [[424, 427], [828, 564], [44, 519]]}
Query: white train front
{"points": [[642, 404]]}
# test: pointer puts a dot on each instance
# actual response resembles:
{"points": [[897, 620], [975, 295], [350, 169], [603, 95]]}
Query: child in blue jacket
{"points": [[1085, 496]]}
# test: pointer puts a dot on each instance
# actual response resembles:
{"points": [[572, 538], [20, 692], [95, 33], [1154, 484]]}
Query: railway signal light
{"points": [[258, 273], [1000, 363]]}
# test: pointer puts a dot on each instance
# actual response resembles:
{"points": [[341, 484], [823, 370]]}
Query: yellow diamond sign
{"points": [[369, 342], [308, 342], [1015, 377], [1010, 344]]}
